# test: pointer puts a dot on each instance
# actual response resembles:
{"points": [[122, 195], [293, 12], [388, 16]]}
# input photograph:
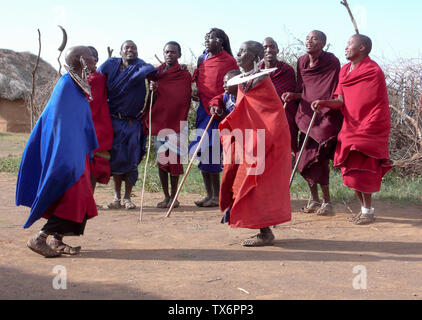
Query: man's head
{"points": [[271, 51], [232, 89], [250, 52], [172, 52], [94, 53], [359, 46], [129, 51], [217, 40], [315, 42], [73, 59]]}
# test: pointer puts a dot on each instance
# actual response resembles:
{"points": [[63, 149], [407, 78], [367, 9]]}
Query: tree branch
{"points": [[344, 3], [31, 97]]}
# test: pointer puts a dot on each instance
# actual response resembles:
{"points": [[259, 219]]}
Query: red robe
{"points": [[261, 200], [100, 167], [363, 140], [209, 76], [76, 202], [172, 99]]}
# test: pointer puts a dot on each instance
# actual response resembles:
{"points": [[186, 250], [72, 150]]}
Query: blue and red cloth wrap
{"points": [[126, 97], [55, 154]]}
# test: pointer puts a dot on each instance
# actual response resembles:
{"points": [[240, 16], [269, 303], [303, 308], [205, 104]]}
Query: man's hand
{"points": [[153, 86], [216, 110], [195, 94], [316, 106], [290, 96]]}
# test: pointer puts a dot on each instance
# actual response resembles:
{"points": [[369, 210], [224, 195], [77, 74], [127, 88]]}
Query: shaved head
{"points": [[74, 54], [364, 41], [270, 40], [321, 35], [256, 48]]}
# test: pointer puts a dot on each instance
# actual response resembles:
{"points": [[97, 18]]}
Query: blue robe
{"points": [[126, 97], [55, 154]]}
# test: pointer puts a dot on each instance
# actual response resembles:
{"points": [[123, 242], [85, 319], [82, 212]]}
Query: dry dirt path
{"points": [[192, 256]]}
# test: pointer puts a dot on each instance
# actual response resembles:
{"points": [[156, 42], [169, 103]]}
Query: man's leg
{"points": [[206, 176], [117, 181], [174, 181], [128, 204], [314, 203], [326, 207], [165, 185], [215, 191]]}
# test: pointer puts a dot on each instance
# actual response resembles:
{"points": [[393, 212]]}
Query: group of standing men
{"points": [[352, 127]]}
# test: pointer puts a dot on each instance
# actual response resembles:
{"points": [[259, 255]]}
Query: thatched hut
{"points": [[16, 85]]}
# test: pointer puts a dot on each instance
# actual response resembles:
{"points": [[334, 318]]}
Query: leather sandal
{"points": [[129, 205], [259, 240], [311, 207], [326, 208], [60, 246], [115, 204], [364, 219], [163, 204], [39, 245]]}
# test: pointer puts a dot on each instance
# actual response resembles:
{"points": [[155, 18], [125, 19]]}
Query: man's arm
{"points": [[334, 104]]}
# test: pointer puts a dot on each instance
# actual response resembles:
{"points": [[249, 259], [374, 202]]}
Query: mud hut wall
{"points": [[14, 116]]}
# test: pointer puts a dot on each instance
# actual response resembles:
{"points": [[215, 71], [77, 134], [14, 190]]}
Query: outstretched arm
{"points": [[334, 104]]}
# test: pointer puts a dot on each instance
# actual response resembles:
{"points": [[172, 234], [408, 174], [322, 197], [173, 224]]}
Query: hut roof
{"points": [[16, 74]]}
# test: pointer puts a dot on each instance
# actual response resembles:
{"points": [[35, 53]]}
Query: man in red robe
{"points": [[100, 165], [317, 78], [172, 94], [257, 157], [362, 148], [284, 80]]}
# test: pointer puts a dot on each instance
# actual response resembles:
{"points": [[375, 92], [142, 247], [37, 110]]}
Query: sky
{"points": [[392, 25]]}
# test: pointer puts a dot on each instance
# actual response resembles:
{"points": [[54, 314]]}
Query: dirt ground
{"points": [[191, 255]]}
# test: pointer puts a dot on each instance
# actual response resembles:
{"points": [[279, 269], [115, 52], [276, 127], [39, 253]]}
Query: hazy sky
{"points": [[392, 25]]}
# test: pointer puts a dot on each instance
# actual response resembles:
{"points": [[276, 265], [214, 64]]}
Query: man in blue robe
{"points": [[126, 97], [54, 176]]}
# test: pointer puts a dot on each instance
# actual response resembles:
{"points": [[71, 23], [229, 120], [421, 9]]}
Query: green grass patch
{"points": [[10, 164]]}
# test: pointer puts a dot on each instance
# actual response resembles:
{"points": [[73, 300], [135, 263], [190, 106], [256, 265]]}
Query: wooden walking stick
{"points": [[190, 166], [303, 147], [147, 159]]}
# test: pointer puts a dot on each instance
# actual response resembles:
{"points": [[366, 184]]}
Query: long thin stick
{"points": [[147, 159], [303, 147], [189, 166], [344, 3]]}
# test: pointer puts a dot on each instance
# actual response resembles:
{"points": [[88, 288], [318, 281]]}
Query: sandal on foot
{"points": [[60, 246], [354, 217], [201, 202], [41, 247], [176, 204], [212, 203], [129, 205], [311, 207], [364, 219], [163, 204], [115, 204], [259, 240], [326, 208]]}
